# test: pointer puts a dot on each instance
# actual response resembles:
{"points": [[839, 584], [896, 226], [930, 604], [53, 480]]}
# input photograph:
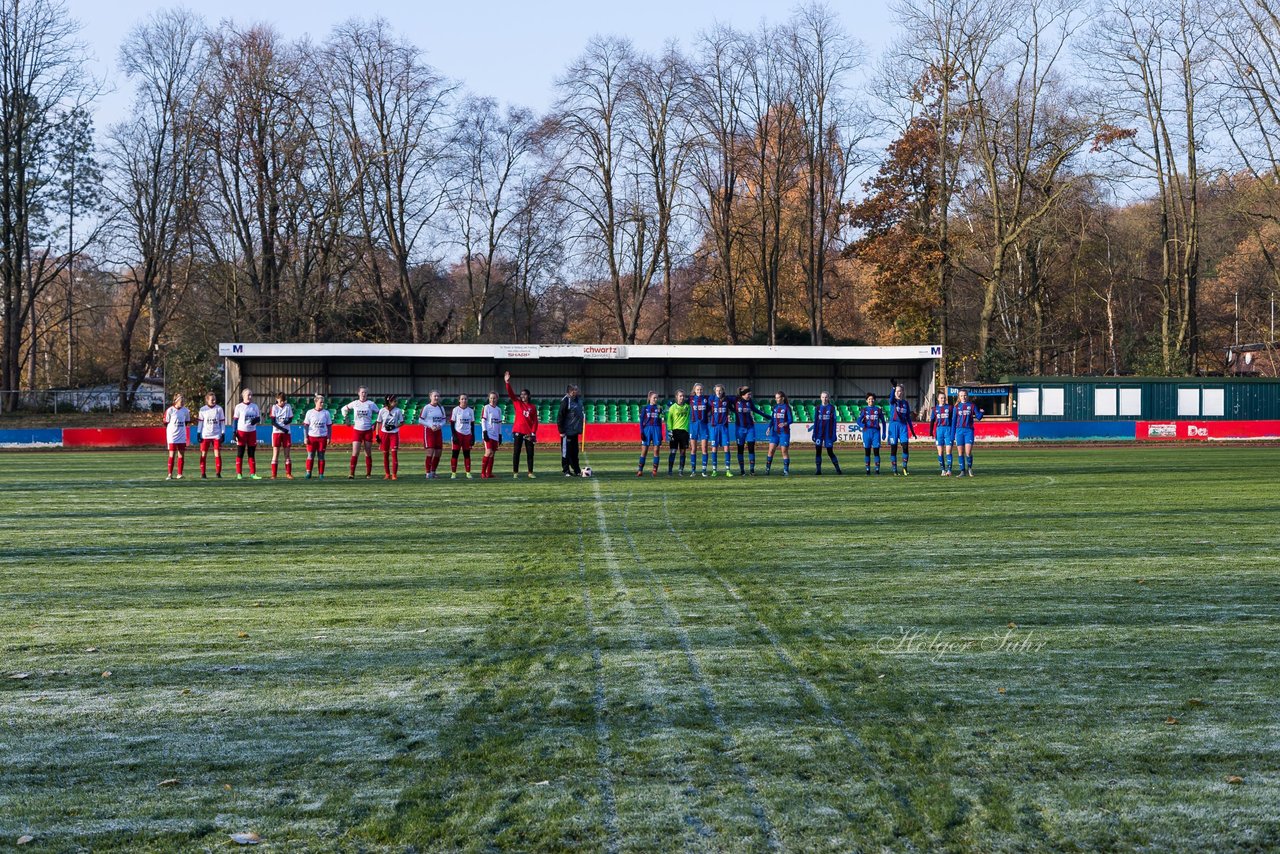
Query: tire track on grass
{"points": [[604, 755], [648, 673], [877, 775], [728, 744]]}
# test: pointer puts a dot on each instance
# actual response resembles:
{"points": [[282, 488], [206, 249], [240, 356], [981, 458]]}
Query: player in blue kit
{"points": [[940, 427], [780, 433], [964, 415], [824, 433], [650, 433], [744, 413], [719, 410], [873, 423], [902, 428], [699, 427]]}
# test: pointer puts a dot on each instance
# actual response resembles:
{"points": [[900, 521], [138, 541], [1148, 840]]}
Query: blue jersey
{"points": [[824, 423], [650, 415], [871, 419], [900, 412], [744, 410], [965, 415], [718, 411], [699, 408], [780, 420], [941, 418]]}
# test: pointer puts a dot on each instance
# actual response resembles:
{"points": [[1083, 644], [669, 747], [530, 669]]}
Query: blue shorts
{"points": [[698, 431], [745, 433], [651, 435], [870, 440], [824, 443], [782, 440], [942, 437], [719, 435], [899, 432], [963, 435]]}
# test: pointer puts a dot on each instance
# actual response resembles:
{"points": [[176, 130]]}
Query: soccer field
{"points": [[1073, 650]]}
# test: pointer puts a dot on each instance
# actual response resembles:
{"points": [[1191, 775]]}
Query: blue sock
{"points": [[950, 462], [971, 462], [904, 457], [751, 458], [942, 462], [818, 461], [893, 459], [704, 462], [786, 465], [768, 462], [671, 461], [867, 459], [715, 460], [642, 456]]}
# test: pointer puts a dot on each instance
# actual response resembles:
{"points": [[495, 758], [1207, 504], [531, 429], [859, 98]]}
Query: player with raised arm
{"points": [[940, 428], [363, 413], [744, 415], [872, 421], [902, 428], [491, 431], [824, 433], [780, 422], [463, 419], [318, 425], [213, 422], [525, 430], [177, 420], [699, 427], [651, 419], [390, 420], [247, 416], [433, 418], [719, 410], [964, 415], [281, 417], [678, 431]]}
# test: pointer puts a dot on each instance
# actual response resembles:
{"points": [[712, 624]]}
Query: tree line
{"points": [[1042, 186]]}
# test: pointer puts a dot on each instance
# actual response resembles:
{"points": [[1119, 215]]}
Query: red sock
{"points": [[217, 465], [170, 464], [253, 466], [466, 463], [181, 460], [386, 463], [322, 466], [353, 465], [453, 464], [368, 465], [202, 465], [308, 464], [395, 463], [288, 466], [274, 468], [239, 465]]}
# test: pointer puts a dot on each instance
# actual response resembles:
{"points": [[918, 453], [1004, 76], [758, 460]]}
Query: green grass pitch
{"points": [[1074, 650]]}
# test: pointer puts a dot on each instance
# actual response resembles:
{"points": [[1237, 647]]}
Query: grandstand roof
{"points": [[578, 351]]}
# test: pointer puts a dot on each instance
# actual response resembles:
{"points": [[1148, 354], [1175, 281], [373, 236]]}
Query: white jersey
{"points": [[389, 420], [363, 413], [317, 422], [281, 414], [212, 422], [491, 422], [433, 417], [176, 421], [463, 420], [247, 416]]}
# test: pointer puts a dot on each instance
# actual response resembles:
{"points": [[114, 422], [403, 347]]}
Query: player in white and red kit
{"points": [[281, 417], [213, 422], [318, 425], [433, 419], [177, 420], [491, 432], [463, 419], [363, 414], [390, 417], [247, 417]]}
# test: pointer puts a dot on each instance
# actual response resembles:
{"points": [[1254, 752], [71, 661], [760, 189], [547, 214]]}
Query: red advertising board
{"points": [[1207, 431]]}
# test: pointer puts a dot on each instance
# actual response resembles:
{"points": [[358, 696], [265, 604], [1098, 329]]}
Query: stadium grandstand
{"points": [[614, 379]]}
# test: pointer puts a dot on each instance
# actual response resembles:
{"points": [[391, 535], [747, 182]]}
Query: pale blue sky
{"points": [[512, 51]]}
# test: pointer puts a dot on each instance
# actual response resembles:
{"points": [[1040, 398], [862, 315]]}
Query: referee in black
{"points": [[570, 422]]}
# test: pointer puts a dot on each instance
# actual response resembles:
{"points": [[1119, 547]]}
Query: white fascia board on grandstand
{"points": [[514, 352]]}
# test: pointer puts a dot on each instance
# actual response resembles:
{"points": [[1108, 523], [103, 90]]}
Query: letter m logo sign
{"points": [[237, 348], [935, 351]]}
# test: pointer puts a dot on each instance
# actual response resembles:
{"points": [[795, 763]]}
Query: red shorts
{"points": [[206, 444], [362, 435], [247, 438], [432, 440], [315, 444], [491, 445], [281, 440], [177, 446], [390, 441], [463, 441]]}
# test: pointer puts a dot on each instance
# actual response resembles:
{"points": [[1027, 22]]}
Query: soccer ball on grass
{"points": [[586, 472]]}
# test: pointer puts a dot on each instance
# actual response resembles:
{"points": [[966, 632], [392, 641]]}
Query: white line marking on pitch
{"points": [[649, 674], [613, 840], [728, 743]]}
